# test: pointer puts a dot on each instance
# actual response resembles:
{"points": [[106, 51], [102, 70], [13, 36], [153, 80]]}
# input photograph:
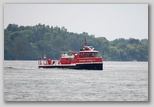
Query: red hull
{"points": [[79, 66]]}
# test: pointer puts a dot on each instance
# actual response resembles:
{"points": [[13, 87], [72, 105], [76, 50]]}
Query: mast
{"points": [[85, 43]]}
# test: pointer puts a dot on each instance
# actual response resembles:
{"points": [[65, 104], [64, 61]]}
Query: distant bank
{"points": [[32, 42]]}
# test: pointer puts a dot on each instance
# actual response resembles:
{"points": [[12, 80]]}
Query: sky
{"points": [[111, 21]]}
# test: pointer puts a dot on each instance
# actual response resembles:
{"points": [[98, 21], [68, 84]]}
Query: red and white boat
{"points": [[85, 59]]}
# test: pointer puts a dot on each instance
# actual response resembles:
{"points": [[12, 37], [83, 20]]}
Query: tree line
{"points": [[32, 42]]}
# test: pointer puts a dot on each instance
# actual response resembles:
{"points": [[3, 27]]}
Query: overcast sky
{"points": [[111, 21]]}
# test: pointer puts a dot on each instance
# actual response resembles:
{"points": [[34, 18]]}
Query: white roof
{"points": [[90, 51], [67, 56]]}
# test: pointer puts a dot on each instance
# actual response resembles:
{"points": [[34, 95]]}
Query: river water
{"points": [[119, 81]]}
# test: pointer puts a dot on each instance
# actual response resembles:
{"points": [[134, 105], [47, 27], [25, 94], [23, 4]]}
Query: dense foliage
{"points": [[32, 42]]}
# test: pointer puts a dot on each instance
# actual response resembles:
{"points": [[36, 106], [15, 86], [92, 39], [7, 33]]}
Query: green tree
{"points": [[32, 42]]}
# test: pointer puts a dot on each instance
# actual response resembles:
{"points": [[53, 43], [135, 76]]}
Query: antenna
{"points": [[85, 43]]}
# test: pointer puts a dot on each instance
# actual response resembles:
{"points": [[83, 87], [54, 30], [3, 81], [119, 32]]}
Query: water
{"points": [[119, 81]]}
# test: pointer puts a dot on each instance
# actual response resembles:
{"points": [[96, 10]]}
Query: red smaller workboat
{"points": [[85, 59]]}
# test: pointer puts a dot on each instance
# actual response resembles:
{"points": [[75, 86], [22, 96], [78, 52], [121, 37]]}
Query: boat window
{"points": [[81, 54], [94, 54], [88, 54]]}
